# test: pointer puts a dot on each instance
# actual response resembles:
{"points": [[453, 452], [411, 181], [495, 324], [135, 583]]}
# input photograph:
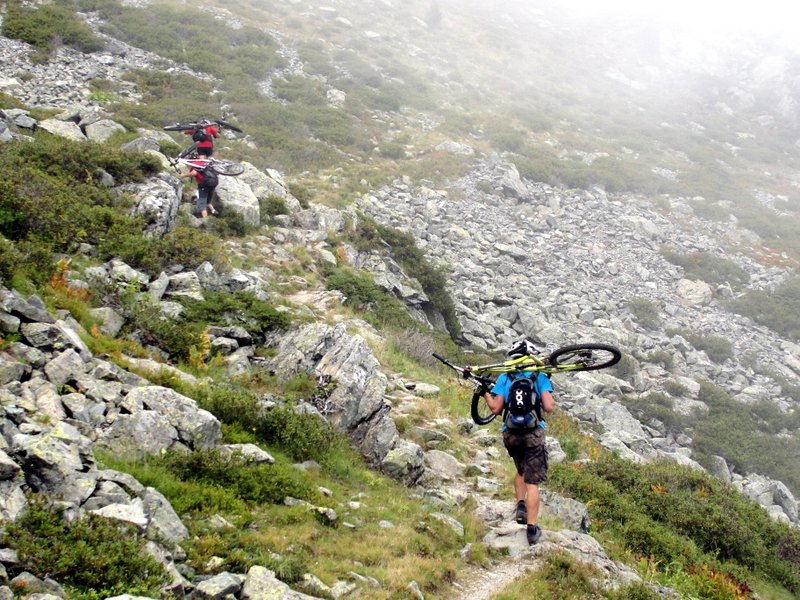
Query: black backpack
{"points": [[523, 407], [199, 134], [210, 177]]}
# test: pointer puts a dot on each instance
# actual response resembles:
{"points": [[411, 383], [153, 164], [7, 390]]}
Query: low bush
{"points": [[237, 308], [717, 348], [255, 484], [404, 250], [680, 515], [645, 312], [675, 388], [183, 245], [41, 27], [704, 266], [151, 328], [303, 436], [778, 309], [271, 207], [93, 556], [362, 294], [753, 440]]}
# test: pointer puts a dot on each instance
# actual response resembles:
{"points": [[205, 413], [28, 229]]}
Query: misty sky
{"points": [[777, 16]]}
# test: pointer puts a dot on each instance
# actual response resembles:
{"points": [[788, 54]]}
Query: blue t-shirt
{"points": [[541, 383]]}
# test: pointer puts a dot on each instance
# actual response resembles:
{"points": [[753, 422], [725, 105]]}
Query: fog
{"points": [[777, 19]]}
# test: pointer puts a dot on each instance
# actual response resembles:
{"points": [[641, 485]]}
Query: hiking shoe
{"points": [[521, 515], [534, 533]]}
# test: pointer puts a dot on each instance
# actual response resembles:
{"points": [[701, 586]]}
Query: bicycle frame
{"points": [[524, 363]]}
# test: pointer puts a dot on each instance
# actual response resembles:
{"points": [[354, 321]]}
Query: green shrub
{"points": [[301, 192], [10, 260], [271, 207], [675, 388], [300, 89], [240, 55], [40, 27], [255, 484], [93, 555], [237, 308], [662, 357], [626, 368], [183, 245], [362, 294], [645, 312], [677, 514], [778, 309], [706, 267], [302, 436], [404, 250], [152, 328], [753, 440], [717, 348]]}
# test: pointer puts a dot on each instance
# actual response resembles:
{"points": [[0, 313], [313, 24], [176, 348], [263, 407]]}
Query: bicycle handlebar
{"points": [[466, 372]]}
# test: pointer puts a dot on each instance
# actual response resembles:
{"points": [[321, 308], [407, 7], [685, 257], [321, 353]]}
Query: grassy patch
{"points": [[93, 557]]}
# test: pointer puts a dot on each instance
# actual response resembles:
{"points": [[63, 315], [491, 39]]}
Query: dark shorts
{"points": [[205, 151], [205, 196], [529, 452]]}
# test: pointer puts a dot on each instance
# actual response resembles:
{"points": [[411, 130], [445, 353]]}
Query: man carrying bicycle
{"points": [[203, 134], [523, 396], [207, 181]]}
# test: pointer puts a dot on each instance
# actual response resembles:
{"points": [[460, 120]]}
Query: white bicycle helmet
{"points": [[522, 348]]}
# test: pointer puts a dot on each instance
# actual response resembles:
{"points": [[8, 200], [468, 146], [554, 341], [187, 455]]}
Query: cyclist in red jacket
{"points": [[207, 181], [204, 134]]}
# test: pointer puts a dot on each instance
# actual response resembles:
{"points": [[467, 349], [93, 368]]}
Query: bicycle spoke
{"points": [[585, 357]]}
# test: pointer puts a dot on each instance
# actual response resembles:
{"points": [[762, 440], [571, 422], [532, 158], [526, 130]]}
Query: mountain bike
{"points": [[190, 126], [219, 166], [576, 357]]}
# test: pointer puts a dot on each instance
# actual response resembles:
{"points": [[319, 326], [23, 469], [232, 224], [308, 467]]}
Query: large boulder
{"points": [[356, 406], [237, 196]]}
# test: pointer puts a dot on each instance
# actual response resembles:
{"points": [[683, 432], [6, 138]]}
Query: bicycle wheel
{"points": [[179, 127], [227, 125], [188, 152], [480, 411], [585, 357], [226, 167]]}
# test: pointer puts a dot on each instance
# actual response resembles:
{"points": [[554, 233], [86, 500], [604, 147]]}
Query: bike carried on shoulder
{"points": [[219, 166], [587, 356]]}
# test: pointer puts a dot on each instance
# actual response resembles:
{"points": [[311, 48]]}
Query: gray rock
{"points": [[219, 586], [132, 514], [196, 427], [63, 129], [112, 321], [100, 131], [164, 524], [261, 584], [249, 451], [64, 367]]}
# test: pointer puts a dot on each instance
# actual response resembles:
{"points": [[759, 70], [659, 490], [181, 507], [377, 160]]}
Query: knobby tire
{"points": [[586, 357], [226, 167], [480, 411], [179, 127]]}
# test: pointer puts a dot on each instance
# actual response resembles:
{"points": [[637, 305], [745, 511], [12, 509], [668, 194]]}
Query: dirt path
{"points": [[483, 584]]}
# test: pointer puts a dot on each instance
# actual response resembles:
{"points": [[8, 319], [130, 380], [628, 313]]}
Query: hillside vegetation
{"points": [[672, 525]]}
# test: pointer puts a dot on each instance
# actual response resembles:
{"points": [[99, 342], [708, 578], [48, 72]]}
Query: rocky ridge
{"points": [[530, 260]]}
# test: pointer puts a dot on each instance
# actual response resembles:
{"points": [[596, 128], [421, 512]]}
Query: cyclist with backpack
{"points": [[207, 181], [203, 133], [522, 397]]}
